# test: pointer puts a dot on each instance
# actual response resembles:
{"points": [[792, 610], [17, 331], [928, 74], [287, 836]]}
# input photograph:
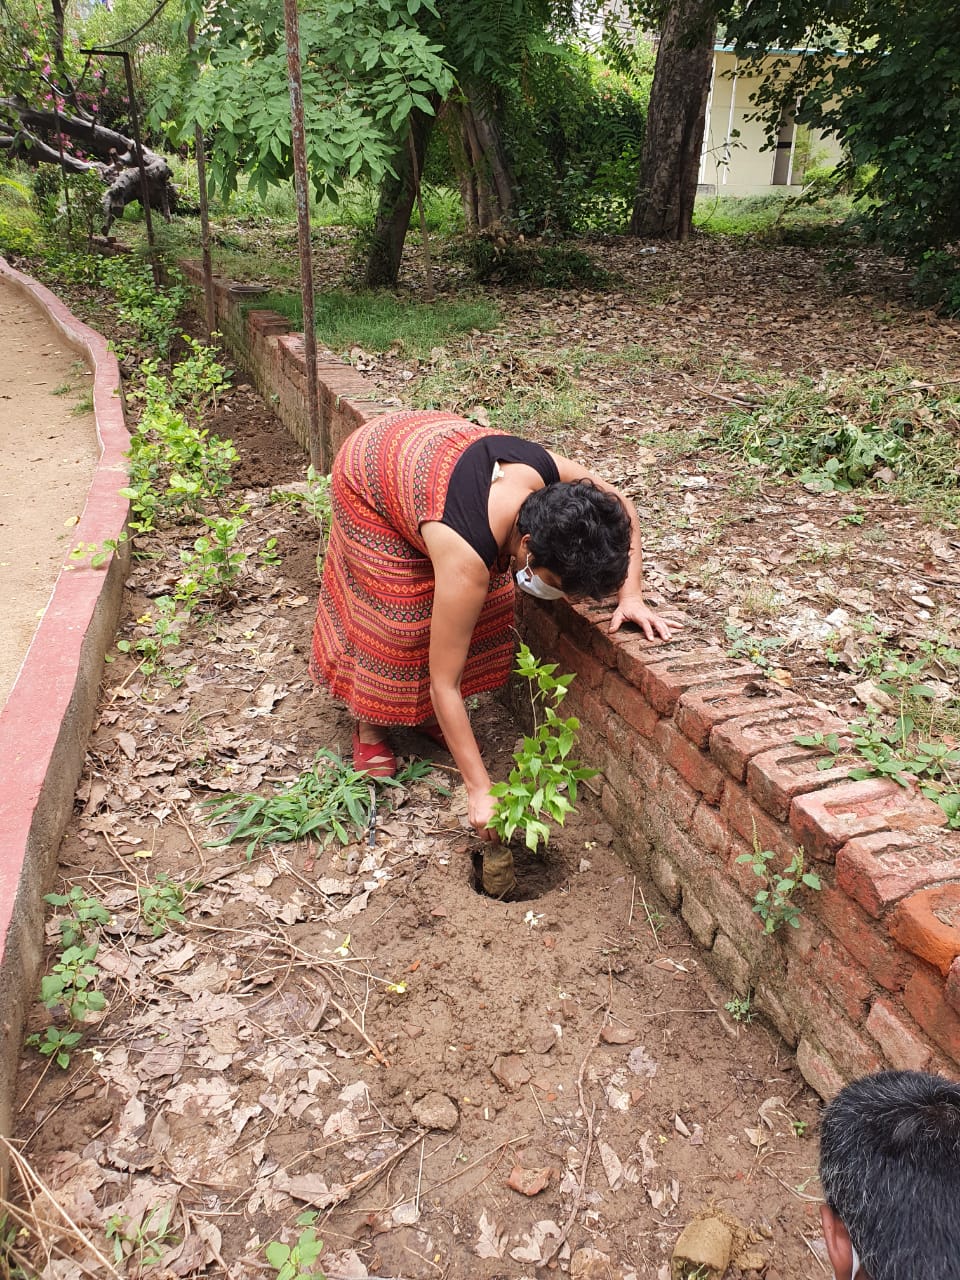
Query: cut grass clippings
{"points": [[885, 430]]}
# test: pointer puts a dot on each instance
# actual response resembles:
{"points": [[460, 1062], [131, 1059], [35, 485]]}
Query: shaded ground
{"points": [[356, 1029], [48, 450]]}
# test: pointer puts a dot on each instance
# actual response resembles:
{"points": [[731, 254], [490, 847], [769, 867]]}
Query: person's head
{"points": [[578, 532], [890, 1170]]}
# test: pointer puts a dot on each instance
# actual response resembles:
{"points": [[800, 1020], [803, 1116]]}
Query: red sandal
{"points": [[373, 758], [431, 729]]}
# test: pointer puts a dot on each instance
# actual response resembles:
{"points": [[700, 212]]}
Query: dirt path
{"points": [[48, 449]]}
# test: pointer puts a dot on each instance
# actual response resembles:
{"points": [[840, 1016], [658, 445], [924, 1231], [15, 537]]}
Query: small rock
{"points": [[543, 1041], [592, 1264], [751, 1261], [529, 1182], [510, 1071], [435, 1111], [617, 1035], [705, 1242], [412, 1030]]}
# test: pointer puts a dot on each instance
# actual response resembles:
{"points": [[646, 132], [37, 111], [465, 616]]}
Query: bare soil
{"points": [[355, 1030], [47, 455]]}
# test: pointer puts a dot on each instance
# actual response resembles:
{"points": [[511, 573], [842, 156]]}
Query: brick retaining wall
{"points": [[697, 762]]}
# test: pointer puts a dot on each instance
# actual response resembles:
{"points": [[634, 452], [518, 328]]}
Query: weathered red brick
{"points": [[928, 924], [747, 819], [699, 710], [631, 768], [662, 683], [925, 998], [837, 971], [803, 939], [818, 1069], [710, 831], [676, 797], [734, 743], [697, 918], [587, 622], [267, 322], [686, 858], [815, 1011], [776, 776], [664, 876], [903, 1048], [733, 913], [885, 962], [690, 762], [634, 653], [952, 987], [630, 703], [734, 968], [572, 658], [881, 868], [825, 820]]}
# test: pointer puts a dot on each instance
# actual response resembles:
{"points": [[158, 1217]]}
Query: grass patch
{"points": [[777, 219], [379, 321], [884, 430]]}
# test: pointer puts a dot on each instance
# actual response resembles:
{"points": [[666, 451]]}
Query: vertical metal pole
{"points": [[63, 170], [210, 319], [144, 187], [428, 292], [319, 453]]}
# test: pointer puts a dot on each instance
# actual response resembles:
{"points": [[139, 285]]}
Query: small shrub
{"points": [[774, 902], [544, 778], [497, 260]]}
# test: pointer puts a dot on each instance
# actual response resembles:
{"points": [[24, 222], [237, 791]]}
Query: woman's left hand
{"points": [[633, 609]]}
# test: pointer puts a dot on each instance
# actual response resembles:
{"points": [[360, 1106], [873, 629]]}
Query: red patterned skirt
{"points": [[371, 640]]}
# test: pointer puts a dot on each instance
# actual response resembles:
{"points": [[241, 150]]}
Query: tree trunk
{"points": [[397, 195], [486, 184], [675, 122], [117, 166]]}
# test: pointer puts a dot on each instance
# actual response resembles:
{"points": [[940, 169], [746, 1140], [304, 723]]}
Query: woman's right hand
{"points": [[480, 811]]}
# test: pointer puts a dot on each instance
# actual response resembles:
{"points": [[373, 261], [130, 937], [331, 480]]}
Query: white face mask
{"points": [[533, 585], [855, 1270]]}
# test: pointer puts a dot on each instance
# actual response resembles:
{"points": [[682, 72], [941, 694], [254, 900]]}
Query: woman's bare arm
{"points": [[462, 584], [631, 606]]}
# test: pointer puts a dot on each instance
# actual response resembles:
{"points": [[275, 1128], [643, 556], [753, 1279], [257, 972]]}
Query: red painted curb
{"points": [[46, 718]]}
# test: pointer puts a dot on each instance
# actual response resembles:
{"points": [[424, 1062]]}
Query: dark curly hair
{"points": [[581, 533]]}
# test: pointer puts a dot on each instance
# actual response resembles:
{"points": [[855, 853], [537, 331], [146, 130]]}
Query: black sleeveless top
{"points": [[465, 511]]}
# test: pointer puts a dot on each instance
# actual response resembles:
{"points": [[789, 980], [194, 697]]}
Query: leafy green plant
{"points": [[544, 778], [774, 902], [72, 983], [739, 1008], [908, 743], [744, 644], [161, 904], [151, 312], [199, 379], [215, 561], [84, 913], [297, 1261], [165, 627], [329, 801], [144, 1240], [56, 1044]]}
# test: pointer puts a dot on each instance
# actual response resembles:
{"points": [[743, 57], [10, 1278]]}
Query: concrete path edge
{"points": [[45, 723]]}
